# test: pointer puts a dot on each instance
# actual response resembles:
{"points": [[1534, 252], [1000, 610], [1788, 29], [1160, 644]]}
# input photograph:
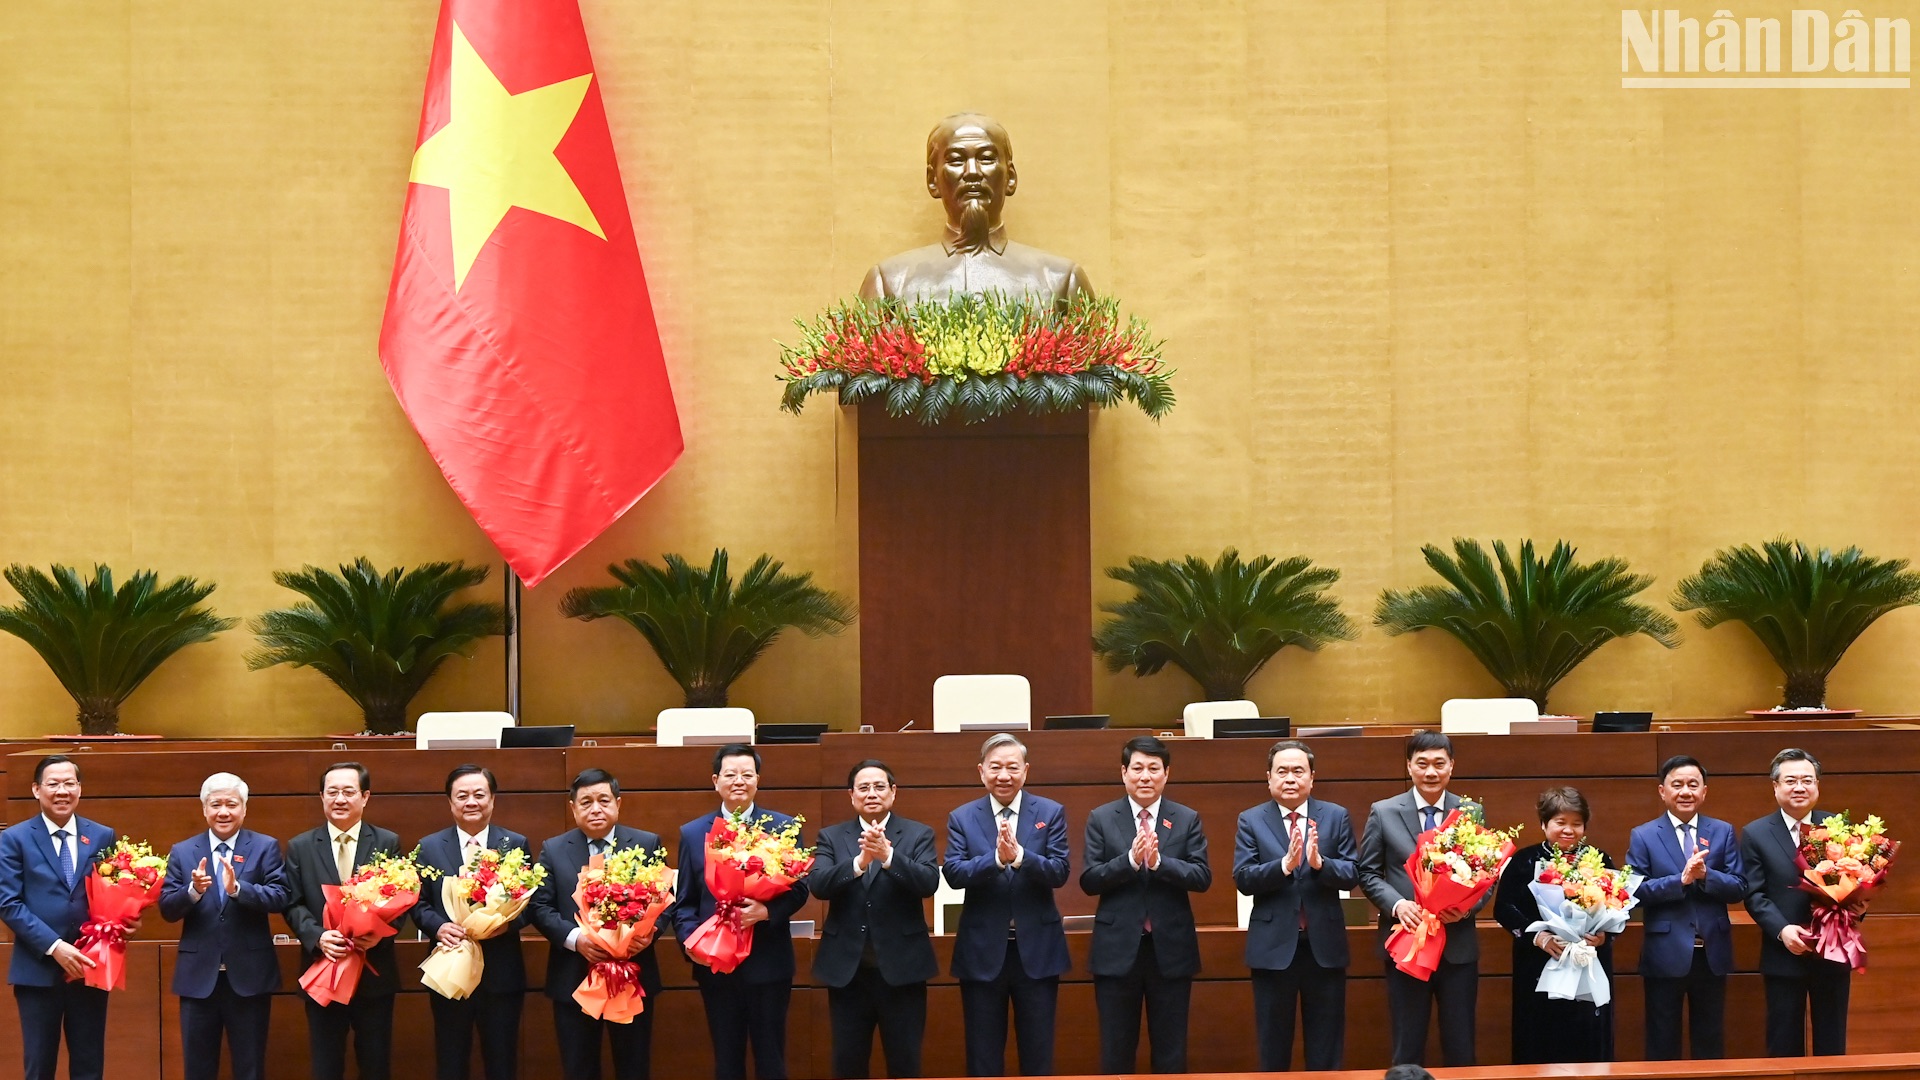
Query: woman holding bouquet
{"points": [[1546, 1030]]}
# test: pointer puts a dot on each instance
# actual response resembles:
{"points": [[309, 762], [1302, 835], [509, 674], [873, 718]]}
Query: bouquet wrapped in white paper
{"points": [[1578, 898]]}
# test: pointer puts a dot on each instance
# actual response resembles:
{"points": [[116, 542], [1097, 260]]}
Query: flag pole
{"points": [[513, 644]]}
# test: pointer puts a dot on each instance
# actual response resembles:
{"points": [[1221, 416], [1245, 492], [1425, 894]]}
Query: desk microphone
{"points": [[907, 725]]}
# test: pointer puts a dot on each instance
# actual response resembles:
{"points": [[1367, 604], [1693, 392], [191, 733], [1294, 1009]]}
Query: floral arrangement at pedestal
{"points": [[977, 357]]}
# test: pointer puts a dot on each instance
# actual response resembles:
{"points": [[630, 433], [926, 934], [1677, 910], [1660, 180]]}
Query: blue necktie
{"points": [[63, 851], [1427, 815], [220, 874]]}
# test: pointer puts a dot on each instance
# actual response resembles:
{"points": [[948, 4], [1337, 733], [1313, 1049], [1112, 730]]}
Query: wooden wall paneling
{"points": [[975, 558]]}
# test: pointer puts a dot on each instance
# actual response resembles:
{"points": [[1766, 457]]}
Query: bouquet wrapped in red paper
{"points": [[1843, 863], [122, 885], [745, 861], [483, 899], [1452, 866], [363, 909], [621, 896]]}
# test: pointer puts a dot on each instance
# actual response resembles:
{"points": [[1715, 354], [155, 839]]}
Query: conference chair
{"points": [[1198, 717], [703, 727], [460, 730], [982, 703]]}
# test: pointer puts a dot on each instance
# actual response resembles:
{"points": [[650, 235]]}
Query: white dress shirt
{"points": [[1153, 815], [1019, 851]]}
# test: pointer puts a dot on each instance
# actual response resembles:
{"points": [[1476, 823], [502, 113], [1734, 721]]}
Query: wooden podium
{"points": [[975, 559]]}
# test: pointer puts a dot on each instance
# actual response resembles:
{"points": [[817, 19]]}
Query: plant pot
{"points": [[122, 737], [1803, 714]]}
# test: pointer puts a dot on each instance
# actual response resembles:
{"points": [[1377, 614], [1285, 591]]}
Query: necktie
{"points": [[597, 847], [1296, 838], [343, 856], [1686, 843], [220, 868], [63, 852], [473, 850], [1795, 833], [1428, 816], [1146, 826], [1006, 813]]}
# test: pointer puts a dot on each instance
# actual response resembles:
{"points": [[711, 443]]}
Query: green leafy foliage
{"points": [[102, 642], [1218, 622], [377, 636], [706, 630], [1529, 621], [1806, 607]]}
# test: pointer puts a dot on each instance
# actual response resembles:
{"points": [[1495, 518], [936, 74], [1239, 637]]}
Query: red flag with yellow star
{"points": [[519, 335]]}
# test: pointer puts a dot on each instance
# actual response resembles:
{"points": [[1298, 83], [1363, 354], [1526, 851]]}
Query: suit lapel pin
{"points": [[88, 840], [1166, 822], [1040, 826]]}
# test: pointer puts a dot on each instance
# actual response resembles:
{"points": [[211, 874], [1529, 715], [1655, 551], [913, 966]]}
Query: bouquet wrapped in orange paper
{"points": [[122, 885], [1843, 863], [621, 896], [483, 899], [364, 910], [745, 861], [1453, 865]]}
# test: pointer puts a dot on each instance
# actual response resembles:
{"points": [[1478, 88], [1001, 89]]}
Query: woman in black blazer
{"points": [[1545, 1030]]}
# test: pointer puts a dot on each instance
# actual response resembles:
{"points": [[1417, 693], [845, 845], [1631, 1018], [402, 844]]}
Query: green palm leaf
{"points": [[1529, 621], [1806, 607], [377, 636], [706, 630], [1219, 622], [102, 642]]}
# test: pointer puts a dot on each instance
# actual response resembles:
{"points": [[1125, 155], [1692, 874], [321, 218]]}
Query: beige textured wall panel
{"points": [[1423, 275]]}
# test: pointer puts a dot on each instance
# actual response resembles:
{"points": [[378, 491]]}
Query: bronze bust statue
{"points": [[970, 170]]}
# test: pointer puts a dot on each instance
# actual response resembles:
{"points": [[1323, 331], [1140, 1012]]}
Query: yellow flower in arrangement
{"points": [[385, 877], [1587, 882], [1839, 849], [131, 860], [760, 850]]}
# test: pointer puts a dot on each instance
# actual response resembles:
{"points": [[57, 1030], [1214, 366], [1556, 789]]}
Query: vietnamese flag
{"points": [[518, 333]]}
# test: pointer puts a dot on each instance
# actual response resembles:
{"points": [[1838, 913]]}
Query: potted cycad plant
{"points": [[101, 642], [378, 636], [705, 629], [1806, 607], [1219, 622], [1529, 621]]}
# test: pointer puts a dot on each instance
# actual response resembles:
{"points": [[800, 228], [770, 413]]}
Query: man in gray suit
{"points": [[1393, 825], [1293, 854]]}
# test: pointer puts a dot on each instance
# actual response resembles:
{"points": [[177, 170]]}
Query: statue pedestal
{"points": [[975, 559]]}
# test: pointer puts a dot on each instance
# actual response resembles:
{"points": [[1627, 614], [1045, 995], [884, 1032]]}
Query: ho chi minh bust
{"points": [[970, 170]]}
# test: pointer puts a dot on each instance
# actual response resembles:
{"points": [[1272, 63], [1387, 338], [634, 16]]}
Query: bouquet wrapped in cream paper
{"points": [[485, 898]]}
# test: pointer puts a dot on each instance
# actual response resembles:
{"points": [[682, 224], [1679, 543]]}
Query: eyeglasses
{"points": [[61, 785], [872, 789], [341, 792], [736, 777]]}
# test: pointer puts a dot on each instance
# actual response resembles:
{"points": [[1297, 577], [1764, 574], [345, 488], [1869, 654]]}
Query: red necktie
{"points": [[1146, 826], [1297, 837]]}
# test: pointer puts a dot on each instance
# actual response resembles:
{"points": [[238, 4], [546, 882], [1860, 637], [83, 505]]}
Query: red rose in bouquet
{"points": [[1452, 866], [745, 861], [362, 909], [122, 885], [621, 897]]}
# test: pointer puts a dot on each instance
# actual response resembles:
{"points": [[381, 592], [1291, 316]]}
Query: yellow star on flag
{"points": [[496, 152]]}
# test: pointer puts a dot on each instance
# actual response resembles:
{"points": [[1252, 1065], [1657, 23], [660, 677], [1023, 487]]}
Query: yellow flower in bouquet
{"points": [[490, 891], [382, 879]]}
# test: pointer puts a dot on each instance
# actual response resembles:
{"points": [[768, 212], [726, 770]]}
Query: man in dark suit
{"points": [[493, 1009], [594, 802], [329, 855], [747, 1006], [875, 954], [1693, 871], [1144, 855], [1009, 851], [1293, 854], [1794, 974], [44, 862], [223, 883], [1393, 827]]}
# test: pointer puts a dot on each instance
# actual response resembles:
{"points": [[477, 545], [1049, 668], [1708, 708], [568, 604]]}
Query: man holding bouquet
{"points": [[329, 855], [1009, 851], [44, 862], [1796, 975], [493, 1008], [593, 800], [1393, 830], [1693, 871], [748, 1005], [222, 884]]}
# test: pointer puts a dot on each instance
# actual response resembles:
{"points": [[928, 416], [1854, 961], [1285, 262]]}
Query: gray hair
{"points": [[999, 740], [223, 781], [1792, 753]]}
